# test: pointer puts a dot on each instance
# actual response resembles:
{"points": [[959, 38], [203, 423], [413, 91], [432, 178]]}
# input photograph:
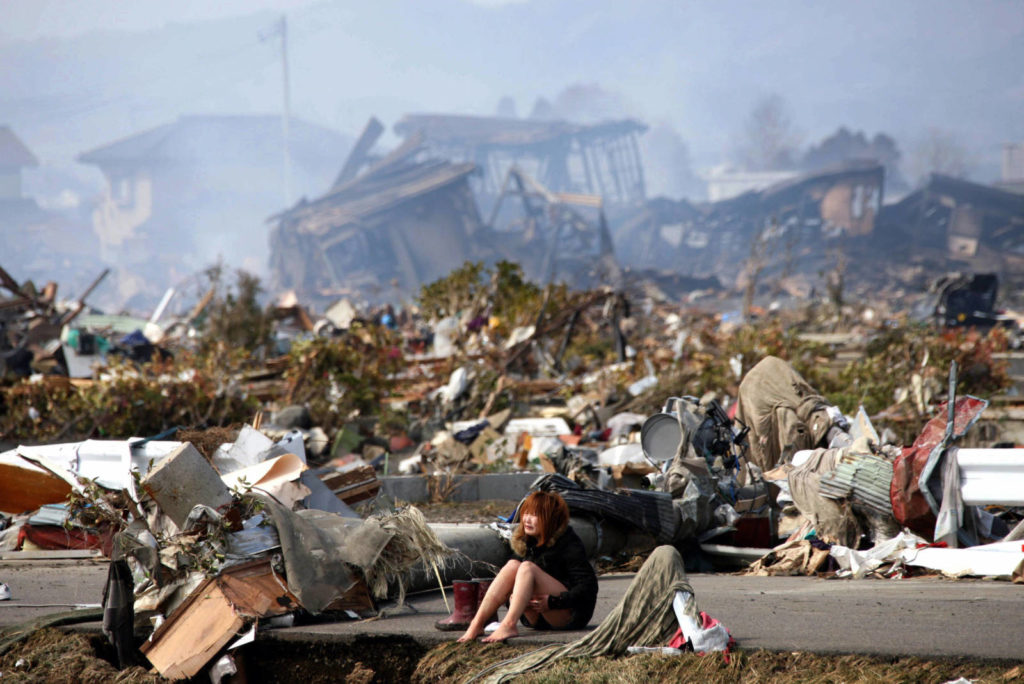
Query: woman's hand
{"points": [[539, 603]]}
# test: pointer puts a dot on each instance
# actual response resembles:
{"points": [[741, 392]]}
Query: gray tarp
{"points": [[319, 546], [783, 412], [644, 617]]}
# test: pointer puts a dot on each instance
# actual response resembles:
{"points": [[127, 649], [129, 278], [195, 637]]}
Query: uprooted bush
{"points": [[352, 374], [233, 318], [340, 377]]}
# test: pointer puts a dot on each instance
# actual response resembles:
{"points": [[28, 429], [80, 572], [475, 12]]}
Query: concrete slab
{"points": [[926, 617]]}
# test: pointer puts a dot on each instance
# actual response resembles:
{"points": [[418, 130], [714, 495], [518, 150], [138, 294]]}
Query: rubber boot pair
{"points": [[468, 596]]}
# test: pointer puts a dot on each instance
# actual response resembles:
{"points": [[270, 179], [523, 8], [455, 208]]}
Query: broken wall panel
{"points": [[194, 633], [953, 220]]}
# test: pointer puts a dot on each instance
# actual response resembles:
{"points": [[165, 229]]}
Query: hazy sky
{"points": [[75, 74], [30, 19]]}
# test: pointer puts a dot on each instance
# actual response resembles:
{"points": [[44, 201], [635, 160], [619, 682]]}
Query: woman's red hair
{"points": [[552, 515]]}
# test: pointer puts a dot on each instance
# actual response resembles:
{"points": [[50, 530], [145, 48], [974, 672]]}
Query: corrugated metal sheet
{"points": [[862, 478]]}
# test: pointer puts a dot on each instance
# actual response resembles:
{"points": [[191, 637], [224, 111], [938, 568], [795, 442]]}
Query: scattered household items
{"points": [[209, 552], [933, 490], [595, 395]]}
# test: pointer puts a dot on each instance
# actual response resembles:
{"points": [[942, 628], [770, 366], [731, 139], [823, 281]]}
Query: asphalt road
{"points": [[923, 617]]}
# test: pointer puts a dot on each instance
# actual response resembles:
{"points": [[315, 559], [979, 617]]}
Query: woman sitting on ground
{"points": [[551, 585]]}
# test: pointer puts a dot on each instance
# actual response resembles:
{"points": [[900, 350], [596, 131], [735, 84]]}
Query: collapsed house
{"points": [[597, 159], [832, 220], [394, 223], [401, 223], [961, 225], [557, 235], [786, 228]]}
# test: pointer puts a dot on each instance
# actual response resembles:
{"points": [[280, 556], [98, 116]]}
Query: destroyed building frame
{"points": [[597, 159]]}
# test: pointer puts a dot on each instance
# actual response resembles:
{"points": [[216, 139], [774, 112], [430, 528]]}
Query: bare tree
{"points": [[939, 151], [756, 262], [769, 140]]}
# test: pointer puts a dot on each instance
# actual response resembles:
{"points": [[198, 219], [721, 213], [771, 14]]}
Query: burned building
{"points": [[596, 159], [393, 223], [957, 224], [384, 233], [787, 227]]}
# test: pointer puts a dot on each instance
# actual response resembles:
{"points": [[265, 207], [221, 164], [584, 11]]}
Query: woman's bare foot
{"points": [[501, 634], [470, 635]]}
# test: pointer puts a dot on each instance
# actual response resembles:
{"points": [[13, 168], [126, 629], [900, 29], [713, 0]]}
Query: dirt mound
{"points": [[453, 662], [50, 655]]}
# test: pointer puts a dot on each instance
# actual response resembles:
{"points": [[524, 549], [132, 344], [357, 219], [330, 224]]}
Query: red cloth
{"points": [[706, 622], [909, 506], [55, 537]]}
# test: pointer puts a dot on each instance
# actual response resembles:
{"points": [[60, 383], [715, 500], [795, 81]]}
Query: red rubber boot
{"points": [[481, 590], [465, 607]]}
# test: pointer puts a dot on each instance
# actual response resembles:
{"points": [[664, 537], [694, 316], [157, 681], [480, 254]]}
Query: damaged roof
{"points": [[991, 197], [488, 130], [373, 193], [223, 137], [13, 153], [868, 170]]}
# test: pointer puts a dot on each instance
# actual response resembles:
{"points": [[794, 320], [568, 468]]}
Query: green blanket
{"points": [[644, 617]]}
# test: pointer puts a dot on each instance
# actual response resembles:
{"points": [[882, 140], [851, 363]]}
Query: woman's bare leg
{"points": [[497, 594], [530, 581]]}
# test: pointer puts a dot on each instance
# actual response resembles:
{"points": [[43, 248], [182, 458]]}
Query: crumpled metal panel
{"points": [[864, 478]]}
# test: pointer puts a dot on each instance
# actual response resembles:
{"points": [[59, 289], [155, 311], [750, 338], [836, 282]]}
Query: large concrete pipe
{"points": [[480, 551]]}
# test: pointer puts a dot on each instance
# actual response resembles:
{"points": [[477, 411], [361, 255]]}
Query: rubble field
{"points": [[248, 468]]}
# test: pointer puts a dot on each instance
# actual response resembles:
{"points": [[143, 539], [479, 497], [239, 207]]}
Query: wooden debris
{"points": [[352, 486]]}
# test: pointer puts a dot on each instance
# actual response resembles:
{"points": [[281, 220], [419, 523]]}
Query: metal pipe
{"points": [[991, 476]]}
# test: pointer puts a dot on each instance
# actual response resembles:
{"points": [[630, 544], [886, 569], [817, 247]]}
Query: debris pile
{"points": [[713, 432], [204, 550]]}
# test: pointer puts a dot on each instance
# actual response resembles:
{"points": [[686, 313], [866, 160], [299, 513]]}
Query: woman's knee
{"points": [[527, 568], [513, 564]]}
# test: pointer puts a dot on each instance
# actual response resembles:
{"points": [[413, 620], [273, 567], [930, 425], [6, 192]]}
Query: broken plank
{"points": [[194, 633], [254, 589]]}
